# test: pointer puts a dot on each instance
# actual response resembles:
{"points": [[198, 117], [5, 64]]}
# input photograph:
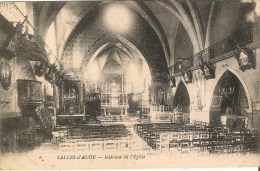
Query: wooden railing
{"points": [[218, 51]]}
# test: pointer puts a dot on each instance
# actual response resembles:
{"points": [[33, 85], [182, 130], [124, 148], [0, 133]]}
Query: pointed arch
{"points": [[242, 83], [139, 7], [181, 83], [181, 99], [106, 43]]}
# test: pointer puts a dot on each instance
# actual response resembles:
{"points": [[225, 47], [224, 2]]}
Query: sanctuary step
{"points": [[114, 118]]}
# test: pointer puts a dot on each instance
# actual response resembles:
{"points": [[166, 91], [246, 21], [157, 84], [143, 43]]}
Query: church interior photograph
{"points": [[135, 83]]}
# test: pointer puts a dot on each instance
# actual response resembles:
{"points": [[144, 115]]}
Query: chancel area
{"points": [[152, 76]]}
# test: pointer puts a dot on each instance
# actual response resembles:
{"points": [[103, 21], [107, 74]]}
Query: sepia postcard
{"points": [[129, 84]]}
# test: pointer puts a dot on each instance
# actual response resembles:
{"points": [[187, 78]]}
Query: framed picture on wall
{"points": [[216, 101], [5, 75]]}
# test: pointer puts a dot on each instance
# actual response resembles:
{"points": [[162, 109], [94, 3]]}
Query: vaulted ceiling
{"points": [[114, 59], [156, 32]]}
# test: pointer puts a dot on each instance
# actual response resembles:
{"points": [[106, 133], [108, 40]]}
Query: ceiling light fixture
{"points": [[118, 18]]}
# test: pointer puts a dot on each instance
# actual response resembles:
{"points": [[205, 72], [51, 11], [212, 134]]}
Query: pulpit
{"points": [[29, 92], [30, 97]]}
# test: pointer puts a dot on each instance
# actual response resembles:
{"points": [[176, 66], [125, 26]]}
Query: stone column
{"points": [[126, 111]]}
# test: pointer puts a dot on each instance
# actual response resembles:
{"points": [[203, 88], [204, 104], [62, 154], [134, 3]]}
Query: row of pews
{"points": [[97, 131], [204, 138], [24, 140], [85, 145], [98, 137]]}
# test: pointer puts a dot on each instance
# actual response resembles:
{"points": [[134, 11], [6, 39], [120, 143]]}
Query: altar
{"points": [[114, 100], [120, 110], [234, 121]]}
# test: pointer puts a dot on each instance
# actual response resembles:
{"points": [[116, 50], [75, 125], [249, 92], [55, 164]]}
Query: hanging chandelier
{"points": [[226, 91], [227, 88]]}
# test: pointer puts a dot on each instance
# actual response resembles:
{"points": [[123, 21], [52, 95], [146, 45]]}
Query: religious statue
{"points": [[160, 95], [245, 58], [207, 69], [114, 88]]}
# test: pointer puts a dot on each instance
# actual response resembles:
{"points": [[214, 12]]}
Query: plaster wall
{"points": [[20, 69]]}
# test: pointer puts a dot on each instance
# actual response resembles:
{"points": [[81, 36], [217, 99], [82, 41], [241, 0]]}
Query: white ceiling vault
{"points": [[163, 19]]}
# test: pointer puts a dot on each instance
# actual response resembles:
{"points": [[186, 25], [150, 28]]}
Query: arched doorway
{"points": [[229, 102], [181, 104]]}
